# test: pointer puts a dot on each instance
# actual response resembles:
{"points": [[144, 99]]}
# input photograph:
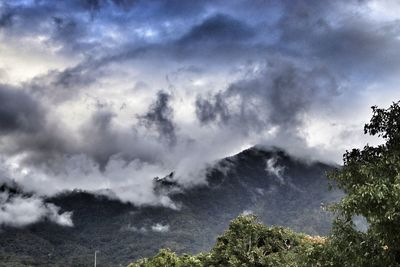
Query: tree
{"points": [[246, 243], [168, 258], [370, 177], [250, 243]]}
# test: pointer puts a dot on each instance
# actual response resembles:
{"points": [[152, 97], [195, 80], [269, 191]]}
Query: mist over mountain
{"points": [[99, 94], [124, 124], [280, 189]]}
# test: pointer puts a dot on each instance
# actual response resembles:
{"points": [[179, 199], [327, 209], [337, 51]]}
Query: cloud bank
{"points": [[109, 94]]}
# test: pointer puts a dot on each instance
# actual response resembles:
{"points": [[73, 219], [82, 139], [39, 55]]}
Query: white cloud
{"points": [[132, 228], [20, 211], [158, 227], [247, 212], [384, 10], [274, 169]]}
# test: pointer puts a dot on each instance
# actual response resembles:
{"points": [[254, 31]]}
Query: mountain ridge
{"points": [[280, 189]]}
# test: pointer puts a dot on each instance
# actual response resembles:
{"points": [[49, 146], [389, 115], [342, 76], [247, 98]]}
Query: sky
{"points": [[105, 95]]}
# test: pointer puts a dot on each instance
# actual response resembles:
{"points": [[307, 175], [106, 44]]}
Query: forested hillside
{"points": [[280, 189]]}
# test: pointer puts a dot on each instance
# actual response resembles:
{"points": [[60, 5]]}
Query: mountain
{"points": [[280, 189]]}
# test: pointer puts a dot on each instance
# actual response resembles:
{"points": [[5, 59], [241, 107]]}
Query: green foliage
{"points": [[246, 243], [371, 180], [350, 248], [250, 243], [168, 258]]}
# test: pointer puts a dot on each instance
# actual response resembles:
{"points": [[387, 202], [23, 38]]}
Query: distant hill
{"points": [[278, 188]]}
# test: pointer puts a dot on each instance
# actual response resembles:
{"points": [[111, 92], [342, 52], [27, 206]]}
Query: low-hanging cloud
{"points": [[274, 169], [161, 228], [20, 211]]}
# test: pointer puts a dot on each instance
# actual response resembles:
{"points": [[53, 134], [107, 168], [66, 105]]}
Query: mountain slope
{"points": [[279, 189]]}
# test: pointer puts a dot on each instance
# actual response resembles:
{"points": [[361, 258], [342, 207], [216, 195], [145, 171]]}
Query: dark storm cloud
{"points": [[304, 29], [73, 26], [44, 139], [160, 117], [125, 3], [212, 109], [62, 85], [19, 112], [68, 30], [5, 18], [65, 24], [46, 147], [24, 124], [347, 41], [91, 4], [361, 49], [277, 95], [219, 28], [94, 9], [100, 140], [37, 16]]}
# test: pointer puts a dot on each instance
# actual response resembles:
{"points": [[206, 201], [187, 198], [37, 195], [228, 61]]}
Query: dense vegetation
{"points": [[246, 243], [370, 178]]}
